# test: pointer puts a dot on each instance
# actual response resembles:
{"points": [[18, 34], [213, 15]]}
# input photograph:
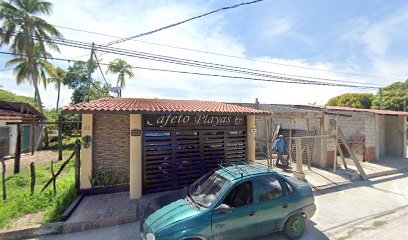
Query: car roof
{"points": [[238, 171]]}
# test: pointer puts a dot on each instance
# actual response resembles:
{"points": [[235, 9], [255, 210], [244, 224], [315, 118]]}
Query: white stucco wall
{"points": [[12, 134]]}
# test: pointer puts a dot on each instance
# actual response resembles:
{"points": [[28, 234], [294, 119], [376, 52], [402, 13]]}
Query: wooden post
{"points": [[17, 154], [32, 171], [290, 143], [59, 140], [32, 141], [342, 155], [77, 166], [337, 142], [299, 164], [54, 183], [352, 155], [267, 141], [3, 176]]}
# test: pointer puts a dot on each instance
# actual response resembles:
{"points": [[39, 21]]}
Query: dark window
{"points": [[269, 188], [240, 196]]}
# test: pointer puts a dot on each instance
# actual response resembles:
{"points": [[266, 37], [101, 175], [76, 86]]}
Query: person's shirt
{"points": [[280, 146]]}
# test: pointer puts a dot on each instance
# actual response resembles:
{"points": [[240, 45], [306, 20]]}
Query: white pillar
{"points": [[251, 144], [86, 152], [135, 158]]}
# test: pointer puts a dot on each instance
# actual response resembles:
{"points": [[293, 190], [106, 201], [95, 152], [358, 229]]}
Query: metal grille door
{"points": [[174, 159]]}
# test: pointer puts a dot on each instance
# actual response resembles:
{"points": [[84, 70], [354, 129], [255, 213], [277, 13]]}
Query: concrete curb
{"points": [[31, 231]]}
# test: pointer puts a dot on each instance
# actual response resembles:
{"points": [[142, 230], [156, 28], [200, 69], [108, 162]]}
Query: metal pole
{"points": [[90, 66]]}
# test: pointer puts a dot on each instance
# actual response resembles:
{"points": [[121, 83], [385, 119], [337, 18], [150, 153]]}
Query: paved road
{"points": [[376, 209]]}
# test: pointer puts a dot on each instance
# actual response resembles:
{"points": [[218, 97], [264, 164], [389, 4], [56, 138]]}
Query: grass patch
{"points": [[19, 202]]}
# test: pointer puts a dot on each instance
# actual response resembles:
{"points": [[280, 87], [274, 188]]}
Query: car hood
{"points": [[167, 210]]}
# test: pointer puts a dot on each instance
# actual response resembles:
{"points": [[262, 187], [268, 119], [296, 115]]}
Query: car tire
{"points": [[294, 227]]}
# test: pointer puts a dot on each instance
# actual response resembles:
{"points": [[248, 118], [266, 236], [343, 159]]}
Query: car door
{"points": [[272, 206], [240, 222]]}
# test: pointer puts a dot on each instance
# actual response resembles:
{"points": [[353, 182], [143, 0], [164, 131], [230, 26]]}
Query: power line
{"points": [[167, 59], [232, 56], [181, 22], [275, 79]]}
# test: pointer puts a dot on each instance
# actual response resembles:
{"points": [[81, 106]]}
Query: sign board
{"points": [[135, 132], [196, 120]]}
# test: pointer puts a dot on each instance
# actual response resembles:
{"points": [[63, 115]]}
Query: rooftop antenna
{"points": [[117, 90]]}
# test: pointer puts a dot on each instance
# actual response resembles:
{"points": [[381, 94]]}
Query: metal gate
{"points": [[176, 158]]}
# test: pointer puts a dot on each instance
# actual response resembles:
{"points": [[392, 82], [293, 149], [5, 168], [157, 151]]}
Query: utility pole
{"points": [[90, 71], [381, 104]]}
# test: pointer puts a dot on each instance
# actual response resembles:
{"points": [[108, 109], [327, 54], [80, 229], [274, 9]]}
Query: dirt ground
{"points": [[39, 158]]}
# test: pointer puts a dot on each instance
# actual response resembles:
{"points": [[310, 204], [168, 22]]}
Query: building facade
{"points": [[13, 112], [155, 145]]}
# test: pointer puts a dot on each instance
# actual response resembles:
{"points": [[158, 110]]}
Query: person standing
{"points": [[280, 148]]}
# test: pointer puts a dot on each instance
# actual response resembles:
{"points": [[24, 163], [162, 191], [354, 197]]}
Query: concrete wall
{"points": [[111, 145], [395, 136], [381, 135], [12, 134]]}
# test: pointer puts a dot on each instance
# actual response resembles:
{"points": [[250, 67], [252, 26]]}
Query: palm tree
{"points": [[23, 68], [58, 79], [28, 35], [122, 68]]}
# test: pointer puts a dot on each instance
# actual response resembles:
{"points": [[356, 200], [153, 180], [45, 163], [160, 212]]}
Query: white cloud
{"points": [[126, 18]]}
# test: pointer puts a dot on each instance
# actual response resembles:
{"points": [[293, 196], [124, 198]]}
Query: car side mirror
{"points": [[223, 208]]}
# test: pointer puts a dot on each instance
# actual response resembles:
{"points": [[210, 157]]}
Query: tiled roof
{"points": [[382, 112], [143, 105]]}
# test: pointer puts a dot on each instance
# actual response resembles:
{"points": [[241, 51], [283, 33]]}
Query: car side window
{"points": [[289, 187], [269, 188], [240, 196]]}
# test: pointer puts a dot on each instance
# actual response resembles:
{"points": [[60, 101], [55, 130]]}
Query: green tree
{"points": [[23, 68], [392, 97], [123, 69], [353, 100], [58, 79], [76, 78], [22, 29]]}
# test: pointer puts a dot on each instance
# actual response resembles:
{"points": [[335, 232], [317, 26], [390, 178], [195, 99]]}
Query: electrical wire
{"points": [[180, 61], [232, 56], [278, 80], [181, 22]]}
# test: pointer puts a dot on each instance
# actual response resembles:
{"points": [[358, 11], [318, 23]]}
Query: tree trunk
{"points": [[58, 96], [39, 103]]}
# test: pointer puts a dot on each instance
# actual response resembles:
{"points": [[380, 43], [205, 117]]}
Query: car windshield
{"points": [[208, 189]]}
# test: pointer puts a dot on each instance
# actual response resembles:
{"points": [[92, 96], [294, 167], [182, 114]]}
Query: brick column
{"points": [[86, 152], [135, 158]]}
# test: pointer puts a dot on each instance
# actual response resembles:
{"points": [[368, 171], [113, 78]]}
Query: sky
{"points": [[367, 37]]}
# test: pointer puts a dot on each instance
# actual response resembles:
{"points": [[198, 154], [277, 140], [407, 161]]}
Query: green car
{"points": [[241, 201]]}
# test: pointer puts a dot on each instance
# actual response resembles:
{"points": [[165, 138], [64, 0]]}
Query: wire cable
{"points": [[232, 56], [181, 22], [278, 80]]}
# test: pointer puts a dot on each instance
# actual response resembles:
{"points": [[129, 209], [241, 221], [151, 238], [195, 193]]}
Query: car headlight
{"points": [[150, 236]]}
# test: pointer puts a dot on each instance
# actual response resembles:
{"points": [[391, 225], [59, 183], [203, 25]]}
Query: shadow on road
{"points": [[311, 233]]}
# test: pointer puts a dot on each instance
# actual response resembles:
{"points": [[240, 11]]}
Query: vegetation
{"points": [[123, 69], [49, 206], [9, 96], [21, 24], [393, 97], [76, 78], [57, 78], [354, 100]]}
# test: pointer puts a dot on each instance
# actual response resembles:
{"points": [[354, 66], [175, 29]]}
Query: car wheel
{"points": [[294, 226]]}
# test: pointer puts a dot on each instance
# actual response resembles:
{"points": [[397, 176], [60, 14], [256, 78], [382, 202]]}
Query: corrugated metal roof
{"points": [[382, 112], [143, 105]]}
